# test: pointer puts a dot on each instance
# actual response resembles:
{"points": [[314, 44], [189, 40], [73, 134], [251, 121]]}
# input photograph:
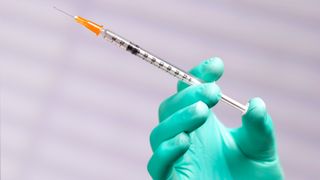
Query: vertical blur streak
{"points": [[75, 107]]}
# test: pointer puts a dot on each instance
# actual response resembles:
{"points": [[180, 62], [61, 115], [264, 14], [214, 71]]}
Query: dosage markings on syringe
{"points": [[153, 60], [160, 64], [121, 43]]}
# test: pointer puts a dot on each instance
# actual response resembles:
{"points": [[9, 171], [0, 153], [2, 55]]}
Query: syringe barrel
{"points": [[164, 65], [148, 57]]}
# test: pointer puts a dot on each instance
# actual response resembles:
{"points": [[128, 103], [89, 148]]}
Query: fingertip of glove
{"points": [[212, 93], [197, 115], [256, 114], [182, 140], [201, 109], [213, 60], [213, 69], [256, 108]]}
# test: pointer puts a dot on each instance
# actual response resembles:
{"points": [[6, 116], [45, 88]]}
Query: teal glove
{"points": [[191, 143]]}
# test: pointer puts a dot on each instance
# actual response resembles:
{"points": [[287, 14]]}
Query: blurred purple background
{"points": [[76, 107]]}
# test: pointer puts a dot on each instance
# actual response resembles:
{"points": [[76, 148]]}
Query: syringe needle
{"points": [[94, 27], [54, 7]]}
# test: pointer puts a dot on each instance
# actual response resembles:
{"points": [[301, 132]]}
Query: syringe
{"points": [[107, 34]]}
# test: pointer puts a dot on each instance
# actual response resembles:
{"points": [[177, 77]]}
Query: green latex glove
{"points": [[191, 143]]}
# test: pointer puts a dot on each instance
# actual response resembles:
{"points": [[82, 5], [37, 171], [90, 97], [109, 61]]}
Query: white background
{"points": [[75, 107]]}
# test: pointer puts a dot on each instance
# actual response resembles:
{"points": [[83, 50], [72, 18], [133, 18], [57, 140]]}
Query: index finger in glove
{"points": [[209, 70]]}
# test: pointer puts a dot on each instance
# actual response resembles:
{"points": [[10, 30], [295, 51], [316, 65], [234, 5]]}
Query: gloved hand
{"points": [[191, 143]]}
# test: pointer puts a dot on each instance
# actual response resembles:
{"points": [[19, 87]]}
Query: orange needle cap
{"points": [[94, 27]]}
